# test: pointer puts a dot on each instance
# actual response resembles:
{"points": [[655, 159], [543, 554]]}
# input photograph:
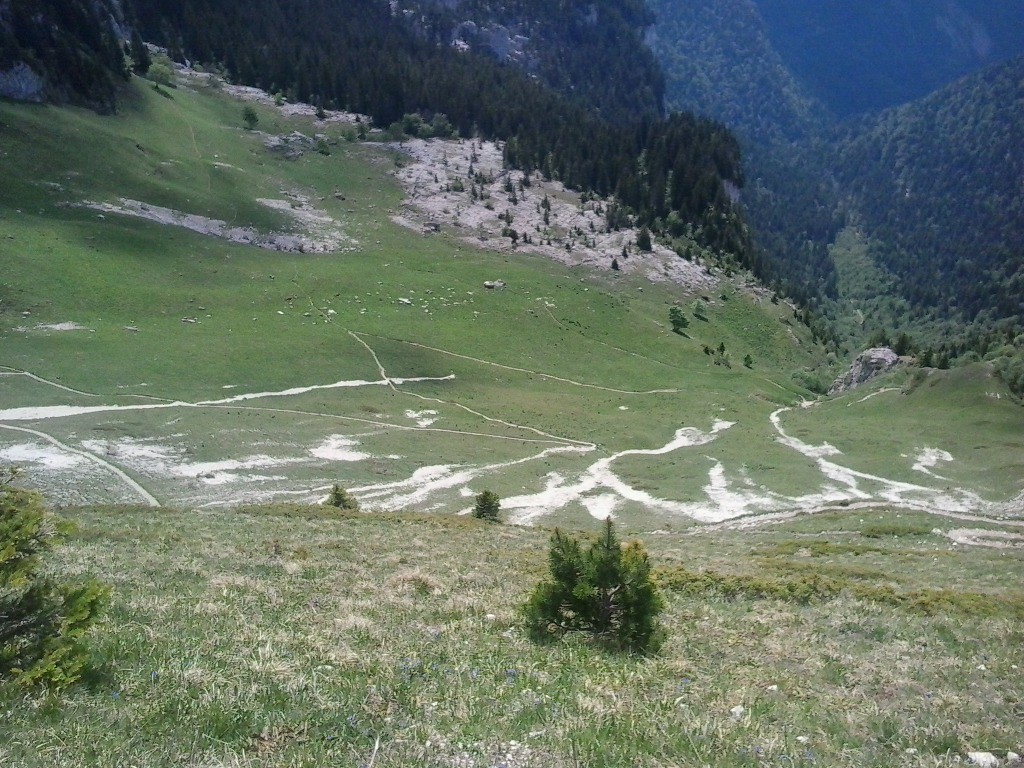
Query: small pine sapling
{"points": [[487, 507], [43, 623], [342, 499], [605, 591]]}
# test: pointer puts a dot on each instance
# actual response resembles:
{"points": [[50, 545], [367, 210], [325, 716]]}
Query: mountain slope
{"points": [[719, 61], [939, 181], [859, 57], [593, 53], [63, 50]]}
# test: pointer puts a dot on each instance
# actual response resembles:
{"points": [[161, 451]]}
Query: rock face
{"points": [[21, 83], [869, 364]]}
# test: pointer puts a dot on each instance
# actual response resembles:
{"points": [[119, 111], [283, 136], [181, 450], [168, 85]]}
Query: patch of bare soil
{"points": [[981, 537], [441, 195], [321, 233]]}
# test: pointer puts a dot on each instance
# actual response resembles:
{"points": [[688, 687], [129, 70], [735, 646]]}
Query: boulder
{"points": [[869, 364], [983, 759], [21, 83]]}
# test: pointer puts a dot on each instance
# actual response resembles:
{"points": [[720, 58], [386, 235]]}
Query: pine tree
{"points": [[342, 499], [42, 622], [605, 591], [487, 507], [249, 117], [678, 320], [643, 240]]}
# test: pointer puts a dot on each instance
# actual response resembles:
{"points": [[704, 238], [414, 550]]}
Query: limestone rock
{"points": [[21, 83], [868, 365], [983, 759]]}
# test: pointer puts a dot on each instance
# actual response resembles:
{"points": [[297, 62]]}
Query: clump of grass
{"points": [[811, 587], [819, 549], [896, 530]]}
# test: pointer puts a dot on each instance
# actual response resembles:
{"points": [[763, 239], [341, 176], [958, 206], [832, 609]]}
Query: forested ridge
{"points": [[593, 53], [861, 57], [918, 207], [938, 181]]}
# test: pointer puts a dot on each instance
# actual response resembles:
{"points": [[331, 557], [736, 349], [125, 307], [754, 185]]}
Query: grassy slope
{"points": [[279, 637]]}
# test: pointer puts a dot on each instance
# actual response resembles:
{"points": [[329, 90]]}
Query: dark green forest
{"points": [[560, 43], [917, 208], [74, 45], [860, 57]]}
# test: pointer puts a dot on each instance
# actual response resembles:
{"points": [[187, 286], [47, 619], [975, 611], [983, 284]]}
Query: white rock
{"points": [[737, 711], [803, 739], [983, 759], [1012, 758], [772, 688]]}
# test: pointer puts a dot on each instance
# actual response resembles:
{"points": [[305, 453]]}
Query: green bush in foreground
{"points": [[605, 591], [42, 623]]}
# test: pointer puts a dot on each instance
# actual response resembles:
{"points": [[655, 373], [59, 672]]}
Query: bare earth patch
{"points": [[981, 537], [320, 233]]}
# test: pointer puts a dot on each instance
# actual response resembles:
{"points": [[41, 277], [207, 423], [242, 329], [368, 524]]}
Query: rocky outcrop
{"points": [[21, 83], [869, 364]]}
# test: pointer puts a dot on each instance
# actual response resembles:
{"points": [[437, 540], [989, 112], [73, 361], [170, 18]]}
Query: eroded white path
{"points": [[847, 483], [728, 494], [46, 412], [560, 492]]}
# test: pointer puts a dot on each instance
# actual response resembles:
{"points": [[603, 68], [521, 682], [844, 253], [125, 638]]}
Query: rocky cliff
{"points": [[869, 364]]}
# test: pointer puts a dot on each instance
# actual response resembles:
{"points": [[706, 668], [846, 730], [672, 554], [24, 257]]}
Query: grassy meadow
{"points": [[211, 373]]}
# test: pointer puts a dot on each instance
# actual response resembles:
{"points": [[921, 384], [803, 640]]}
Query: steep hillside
{"points": [[362, 57], [929, 190], [719, 61], [936, 186], [593, 53], [938, 182], [858, 57], [64, 50]]}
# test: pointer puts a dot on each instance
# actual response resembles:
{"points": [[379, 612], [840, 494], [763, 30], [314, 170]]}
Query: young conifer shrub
{"points": [[604, 590], [487, 507], [342, 499], [42, 622]]}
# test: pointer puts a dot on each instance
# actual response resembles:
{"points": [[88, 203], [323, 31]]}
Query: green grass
{"points": [[283, 636]]}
